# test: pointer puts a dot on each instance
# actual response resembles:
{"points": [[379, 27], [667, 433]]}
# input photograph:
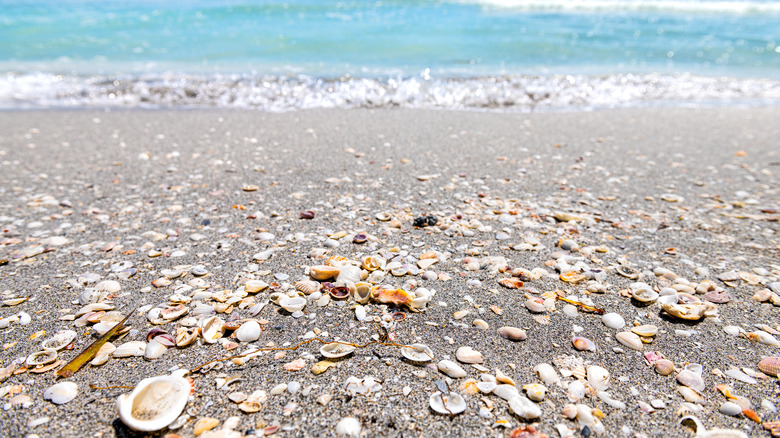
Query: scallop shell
{"points": [[60, 340], [154, 403], [613, 321], [41, 358], [770, 365], [512, 333], [413, 353], [630, 340], [451, 369], [583, 344], [308, 287], [336, 349], [448, 404], [598, 378], [323, 272], [249, 331], [61, 393]]}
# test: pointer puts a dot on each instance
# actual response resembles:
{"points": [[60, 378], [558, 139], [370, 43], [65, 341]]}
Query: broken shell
{"points": [[185, 337], [154, 403], [701, 432], [212, 329], [524, 408], [362, 292], [61, 393], [291, 304], [613, 321], [129, 349], [511, 283], [398, 297], [417, 353], [468, 355], [535, 305], [583, 344], [630, 340], [254, 286], [336, 349], [323, 272], [103, 354], [512, 333], [154, 349], [41, 358], [598, 378], [770, 365], [691, 311], [547, 374], [645, 330], [60, 340], [535, 391], [308, 287], [249, 331], [451, 403], [372, 263], [451, 369], [627, 272]]}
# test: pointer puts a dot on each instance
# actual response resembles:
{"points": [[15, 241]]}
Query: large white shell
{"points": [[451, 369], [630, 340], [154, 403], [61, 393], [60, 340], [349, 274], [417, 353], [249, 331], [547, 373], [452, 403], [132, 348], [613, 321], [598, 378], [291, 304], [336, 349], [154, 350]]}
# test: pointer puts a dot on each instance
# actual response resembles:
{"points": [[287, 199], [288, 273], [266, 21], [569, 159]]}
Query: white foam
{"points": [[691, 6]]}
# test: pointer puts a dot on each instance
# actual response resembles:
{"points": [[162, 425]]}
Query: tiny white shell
{"points": [[249, 331], [449, 404], [61, 393], [336, 349], [154, 403], [348, 426], [613, 320], [415, 355]]}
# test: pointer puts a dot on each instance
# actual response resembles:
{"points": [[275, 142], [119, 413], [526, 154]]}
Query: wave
{"points": [[690, 6], [288, 93]]}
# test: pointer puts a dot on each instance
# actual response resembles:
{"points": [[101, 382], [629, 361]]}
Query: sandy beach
{"points": [[673, 198]]}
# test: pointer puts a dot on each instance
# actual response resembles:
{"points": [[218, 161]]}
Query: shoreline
{"points": [[694, 191]]}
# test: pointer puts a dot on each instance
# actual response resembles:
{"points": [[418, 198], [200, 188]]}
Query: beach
{"points": [[664, 196]]}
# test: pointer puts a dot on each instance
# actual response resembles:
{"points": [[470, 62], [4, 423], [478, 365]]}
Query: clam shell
{"points": [[770, 365], [690, 376], [103, 354], [323, 272], [763, 337], [110, 286], [643, 293], [60, 340], [613, 321], [583, 344], [449, 404], [630, 340], [249, 331], [598, 378], [336, 349], [415, 355], [645, 330], [730, 408], [154, 403], [547, 374], [41, 358], [61, 393], [362, 292], [212, 329], [512, 333], [468, 355], [451, 369], [154, 349], [128, 349], [293, 304], [185, 337], [254, 286]]}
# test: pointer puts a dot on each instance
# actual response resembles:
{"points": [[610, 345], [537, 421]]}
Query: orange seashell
{"points": [[752, 415], [583, 344], [770, 365], [526, 432], [398, 297], [511, 283], [572, 277]]}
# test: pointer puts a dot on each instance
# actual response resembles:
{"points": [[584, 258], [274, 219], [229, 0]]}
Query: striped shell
{"points": [[770, 365], [308, 287]]}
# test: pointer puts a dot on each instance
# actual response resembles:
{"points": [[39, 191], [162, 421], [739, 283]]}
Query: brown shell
{"points": [[770, 365], [511, 283]]}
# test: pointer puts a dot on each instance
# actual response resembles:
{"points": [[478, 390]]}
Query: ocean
{"points": [[496, 55]]}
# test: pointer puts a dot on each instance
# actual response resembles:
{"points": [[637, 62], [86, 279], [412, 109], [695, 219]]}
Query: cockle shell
{"points": [[630, 340], [417, 353], [583, 344], [154, 403], [450, 404], [249, 331], [770, 365], [61, 393], [598, 378], [60, 340], [451, 369], [336, 349], [308, 287]]}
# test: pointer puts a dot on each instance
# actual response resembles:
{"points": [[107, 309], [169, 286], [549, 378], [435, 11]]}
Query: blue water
{"points": [[516, 54]]}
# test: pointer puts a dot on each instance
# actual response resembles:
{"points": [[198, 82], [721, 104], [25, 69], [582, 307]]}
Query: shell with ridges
{"points": [[249, 331], [308, 287], [770, 366], [154, 403]]}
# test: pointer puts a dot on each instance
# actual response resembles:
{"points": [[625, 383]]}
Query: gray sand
{"points": [[128, 178]]}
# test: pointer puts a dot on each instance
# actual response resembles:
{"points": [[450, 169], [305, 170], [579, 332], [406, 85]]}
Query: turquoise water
{"points": [[516, 54]]}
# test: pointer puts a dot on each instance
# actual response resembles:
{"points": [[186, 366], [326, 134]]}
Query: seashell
{"points": [[690, 312], [308, 287], [129, 349], [109, 286], [451, 369], [480, 324], [41, 358], [583, 344], [486, 387], [397, 297], [613, 321], [60, 340], [524, 408], [61, 393], [598, 378], [451, 403], [103, 354], [413, 353], [154, 349], [730, 408], [339, 292], [645, 330], [607, 398], [690, 376], [185, 337], [763, 337], [770, 366], [570, 411], [506, 392], [362, 292], [627, 272], [511, 283], [690, 395], [547, 374], [348, 274], [254, 286], [668, 299], [204, 424], [630, 340], [701, 432], [739, 375], [535, 305], [212, 329], [161, 282], [576, 391], [663, 367], [468, 355], [535, 391], [323, 272], [372, 263], [719, 297], [643, 293], [291, 304], [512, 333], [336, 349], [249, 331], [348, 426], [171, 313], [154, 403]]}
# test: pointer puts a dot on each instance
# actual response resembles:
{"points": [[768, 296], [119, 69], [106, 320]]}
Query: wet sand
{"points": [[694, 191]]}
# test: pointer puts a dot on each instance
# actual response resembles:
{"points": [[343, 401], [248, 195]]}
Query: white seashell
{"points": [[547, 374], [449, 404], [613, 321], [645, 330], [583, 344], [60, 340], [524, 408], [643, 293], [690, 395], [506, 391], [607, 398], [701, 432], [486, 387], [730, 408], [109, 286], [212, 329], [348, 426], [598, 378], [535, 306], [154, 349], [103, 354], [129, 349], [468, 355], [691, 378], [763, 337], [630, 340], [360, 312], [61, 393], [451, 369], [254, 286], [249, 331], [512, 333], [336, 349], [291, 304], [691, 311], [348, 274], [535, 391], [154, 403], [739, 375], [415, 355], [733, 330], [41, 358], [669, 299], [576, 391]]}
